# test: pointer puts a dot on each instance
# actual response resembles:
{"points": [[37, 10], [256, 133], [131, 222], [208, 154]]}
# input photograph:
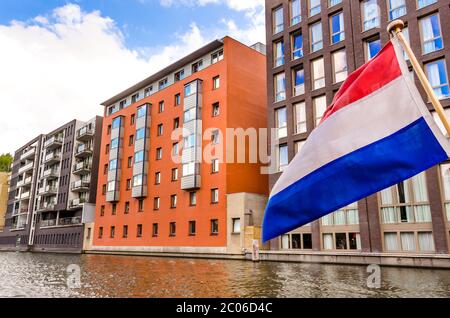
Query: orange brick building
{"points": [[146, 202]]}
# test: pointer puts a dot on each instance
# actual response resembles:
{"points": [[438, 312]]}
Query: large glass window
{"points": [[190, 89], [372, 48], [314, 7], [278, 53], [339, 66], [280, 87], [189, 141], [278, 25], [397, 8], [431, 35], [299, 82], [318, 73], [188, 169], [406, 202], [345, 216], [437, 75], [139, 156], [424, 3], [300, 118], [190, 114], [141, 111], [296, 13], [281, 122], [337, 28], [114, 143], [316, 37], [116, 122], [140, 134], [113, 164], [283, 157], [333, 2], [370, 14], [320, 106], [137, 180], [297, 46]]}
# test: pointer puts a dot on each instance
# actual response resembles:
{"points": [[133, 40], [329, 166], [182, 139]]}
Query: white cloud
{"points": [[59, 67]]}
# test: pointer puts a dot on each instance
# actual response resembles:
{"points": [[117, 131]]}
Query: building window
{"points": [[139, 156], [102, 210], [406, 202], [298, 145], [431, 35], [215, 137], [214, 195], [172, 229], [112, 232], [332, 3], [158, 178], [173, 201], [278, 24], [156, 202], [296, 12], [139, 230], [316, 37], [163, 84], [215, 166], [140, 205], [116, 122], [104, 189], [300, 118], [100, 232], [127, 207], [280, 87], [278, 53], [179, 76], [320, 106], [215, 109], [190, 114], [148, 91], [423, 3], [192, 198], [161, 107], [177, 99], [141, 111], [114, 209], [191, 228], [339, 59], [175, 149], [372, 48], [318, 73], [214, 227], [176, 123], [123, 104], [236, 225], [217, 57], [216, 82], [140, 134], [437, 75], [188, 169], [134, 98], [174, 174], [107, 149], [283, 158], [445, 177], [337, 28], [297, 46], [108, 131], [155, 229], [137, 180], [197, 66], [130, 162], [314, 7], [113, 165], [105, 169], [397, 8], [281, 122], [132, 119], [158, 153], [370, 14], [299, 81], [160, 130], [125, 231], [296, 241], [345, 216], [128, 184]]}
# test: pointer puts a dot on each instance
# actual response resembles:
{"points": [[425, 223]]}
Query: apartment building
{"points": [[4, 188], [312, 47], [53, 189], [159, 193]]}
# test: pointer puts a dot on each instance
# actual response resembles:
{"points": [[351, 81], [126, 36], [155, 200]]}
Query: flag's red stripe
{"points": [[373, 75]]}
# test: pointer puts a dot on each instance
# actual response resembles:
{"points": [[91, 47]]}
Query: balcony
{"points": [[80, 186], [50, 174], [81, 168], [18, 226], [26, 167], [52, 157], [61, 222], [76, 203], [54, 142], [85, 134], [47, 206], [48, 191], [29, 154], [25, 195], [83, 151], [24, 182]]}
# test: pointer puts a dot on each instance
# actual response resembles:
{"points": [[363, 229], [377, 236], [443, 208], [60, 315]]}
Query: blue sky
{"points": [[60, 59]]}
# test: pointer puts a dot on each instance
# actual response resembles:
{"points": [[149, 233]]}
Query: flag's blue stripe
{"points": [[352, 177]]}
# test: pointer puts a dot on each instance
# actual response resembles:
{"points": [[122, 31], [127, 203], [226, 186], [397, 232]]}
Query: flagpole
{"points": [[395, 28]]}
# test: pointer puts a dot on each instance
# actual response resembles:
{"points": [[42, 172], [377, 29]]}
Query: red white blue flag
{"points": [[376, 133]]}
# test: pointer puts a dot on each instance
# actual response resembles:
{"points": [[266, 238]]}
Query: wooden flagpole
{"points": [[395, 28]]}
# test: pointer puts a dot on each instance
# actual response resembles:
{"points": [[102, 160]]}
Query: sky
{"points": [[60, 59]]}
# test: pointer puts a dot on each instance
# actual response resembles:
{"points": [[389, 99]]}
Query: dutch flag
{"points": [[376, 133]]}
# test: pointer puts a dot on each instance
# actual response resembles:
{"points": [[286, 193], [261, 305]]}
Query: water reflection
{"points": [[44, 275]]}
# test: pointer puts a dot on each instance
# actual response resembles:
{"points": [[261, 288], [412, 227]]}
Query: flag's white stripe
{"points": [[368, 120]]}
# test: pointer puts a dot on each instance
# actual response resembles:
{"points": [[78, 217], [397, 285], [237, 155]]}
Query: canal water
{"points": [[44, 275]]}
